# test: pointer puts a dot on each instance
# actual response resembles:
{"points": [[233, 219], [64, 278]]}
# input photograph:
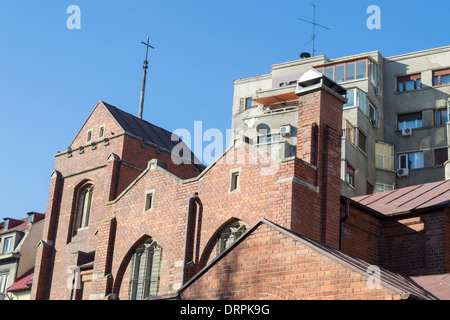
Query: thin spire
{"points": [[144, 80]]}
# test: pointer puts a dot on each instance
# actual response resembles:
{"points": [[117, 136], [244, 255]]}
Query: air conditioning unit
{"points": [[407, 132], [402, 172], [286, 130], [376, 91]]}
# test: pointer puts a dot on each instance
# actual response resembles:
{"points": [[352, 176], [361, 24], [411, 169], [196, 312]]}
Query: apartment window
{"points": [[30, 218], [411, 160], [381, 187], [229, 235], [6, 224], [7, 245], [441, 77], [269, 138], [4, 274], [145, 271], [384, 156], [234, 181], [409, 83], [441, 116], [248, 102], [440, 156], [362, 141], [357, 98], [84, 207], [409, 120], [346, 71], [350, 175], [149, 201]]}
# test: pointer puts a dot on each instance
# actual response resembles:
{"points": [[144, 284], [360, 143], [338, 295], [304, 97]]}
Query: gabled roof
{"points": [[404, 286], [410, 199], [22, 224], [147, 131]]}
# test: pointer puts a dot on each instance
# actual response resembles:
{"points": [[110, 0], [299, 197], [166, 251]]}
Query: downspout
{"points": [[194, 199], [341, 223]]}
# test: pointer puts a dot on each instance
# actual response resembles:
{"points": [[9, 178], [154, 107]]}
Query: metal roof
{"points": [[148, 132], [408, 199]]}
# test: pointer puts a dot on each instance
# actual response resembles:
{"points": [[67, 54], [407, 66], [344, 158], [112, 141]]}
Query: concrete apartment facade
{"points": [[395, 122]]}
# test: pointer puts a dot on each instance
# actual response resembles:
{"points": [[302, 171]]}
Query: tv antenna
{"points": [[314, 24]]}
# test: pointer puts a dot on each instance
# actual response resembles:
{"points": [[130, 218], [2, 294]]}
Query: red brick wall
{"points": [[271, 265]]}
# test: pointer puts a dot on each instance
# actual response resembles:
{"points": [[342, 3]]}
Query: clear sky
{"points": [[51, 77]]}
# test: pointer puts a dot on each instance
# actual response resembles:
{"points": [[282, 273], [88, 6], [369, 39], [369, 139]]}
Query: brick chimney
{"points": [[319, 143]]}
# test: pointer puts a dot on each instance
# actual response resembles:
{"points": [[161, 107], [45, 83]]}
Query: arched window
{"points": [[229, 235], [145, 270], [84, 206]]}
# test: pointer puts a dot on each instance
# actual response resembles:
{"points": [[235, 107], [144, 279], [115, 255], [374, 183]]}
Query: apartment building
{"points": [[395, 129]]}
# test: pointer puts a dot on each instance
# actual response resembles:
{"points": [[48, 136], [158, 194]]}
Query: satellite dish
{"points": [[305, 55]]}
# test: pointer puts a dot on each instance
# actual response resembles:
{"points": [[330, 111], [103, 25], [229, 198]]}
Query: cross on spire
{"points": [[144, 80]]}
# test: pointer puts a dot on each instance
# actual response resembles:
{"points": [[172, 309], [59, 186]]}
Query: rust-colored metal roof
{"points": [[437, 284], [408, 199]]}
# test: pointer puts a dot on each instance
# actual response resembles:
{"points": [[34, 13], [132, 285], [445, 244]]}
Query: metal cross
{"points": [[144, 80]]}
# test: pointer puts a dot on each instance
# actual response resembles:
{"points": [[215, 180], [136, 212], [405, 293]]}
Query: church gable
{"points": [[99, 125], [269, 262]]}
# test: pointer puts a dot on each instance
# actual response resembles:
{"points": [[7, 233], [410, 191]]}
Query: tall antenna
{"points": [[314, 35], [144, 80]]}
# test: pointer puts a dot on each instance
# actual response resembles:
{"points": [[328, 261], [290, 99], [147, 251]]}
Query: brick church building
{"points": [[129, 218]]}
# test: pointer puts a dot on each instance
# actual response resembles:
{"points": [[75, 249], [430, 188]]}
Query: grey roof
{"points": [[148, 132]]}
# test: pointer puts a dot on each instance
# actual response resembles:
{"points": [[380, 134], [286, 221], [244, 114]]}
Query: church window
{"points": [[89, 136], [84, 207], [229, 235], [145, 271]]}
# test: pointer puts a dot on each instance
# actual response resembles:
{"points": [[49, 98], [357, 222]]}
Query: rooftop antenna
{"points": [[314, 35], [144, 80]]}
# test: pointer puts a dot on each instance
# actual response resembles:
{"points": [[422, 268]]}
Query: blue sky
{"points": [[52, 77]]}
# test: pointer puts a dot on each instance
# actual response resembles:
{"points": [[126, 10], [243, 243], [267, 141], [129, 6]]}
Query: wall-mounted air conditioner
{"points": [[403, 172], [286, 130], [407, 132]]}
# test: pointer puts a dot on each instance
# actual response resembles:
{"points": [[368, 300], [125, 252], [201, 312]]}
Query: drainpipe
{"points": [[341, 223], [194, 199]]}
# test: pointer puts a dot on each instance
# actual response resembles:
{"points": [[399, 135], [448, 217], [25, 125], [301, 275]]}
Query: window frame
{"points": [[145, 278], [8, 241], [383, 185], [438, 74], [402, 80], [350, 175], [149, 206], [4, 277], [384, 156], [329, 69], [89, 136], [83, 213], [409, 164], [409, 115], [437, 157], [441, 112], [235, 180]]}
